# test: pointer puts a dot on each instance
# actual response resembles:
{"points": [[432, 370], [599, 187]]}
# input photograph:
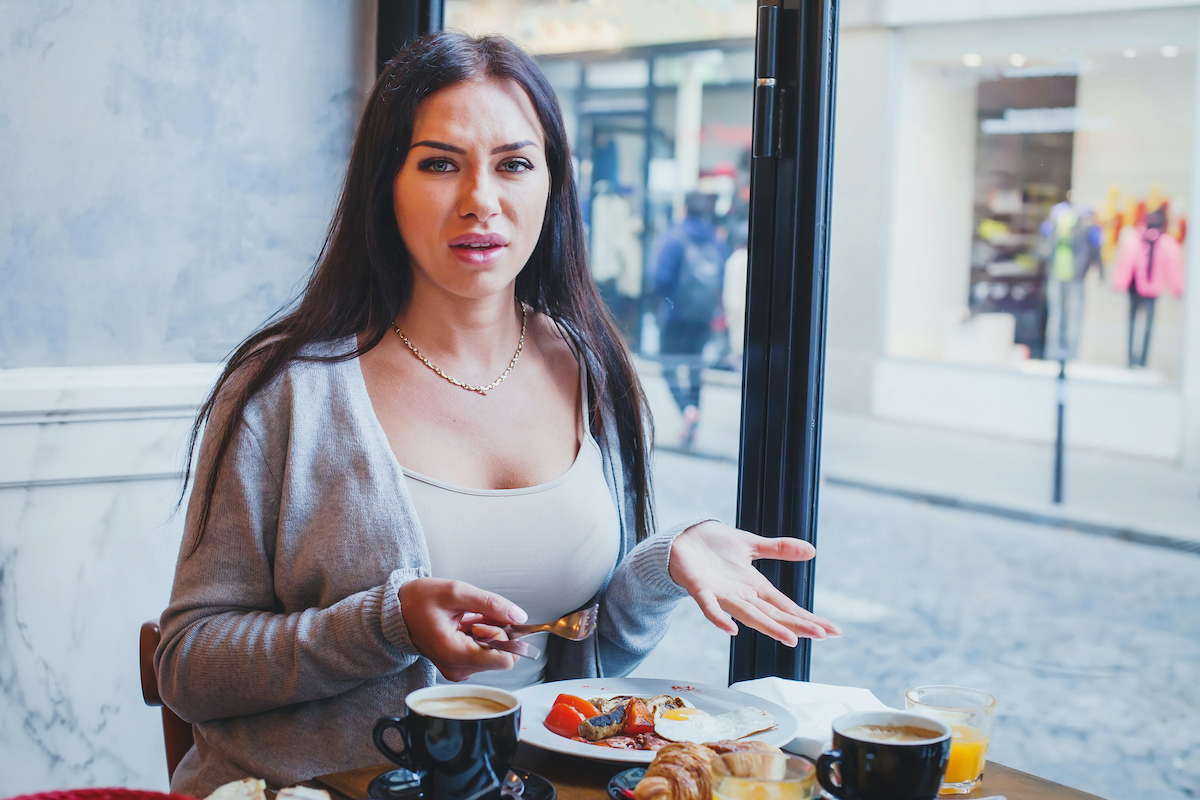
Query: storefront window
{"points": [[1012, 196]]}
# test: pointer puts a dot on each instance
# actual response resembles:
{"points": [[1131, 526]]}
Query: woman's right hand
{"points": [[439, 614]]}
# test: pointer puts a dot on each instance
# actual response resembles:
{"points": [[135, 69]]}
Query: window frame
{"points": [[787, 290]]}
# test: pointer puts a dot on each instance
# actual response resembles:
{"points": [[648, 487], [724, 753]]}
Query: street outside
{"points": [[1091, 645]]}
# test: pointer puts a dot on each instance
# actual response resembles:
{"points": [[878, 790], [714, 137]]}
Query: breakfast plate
{"points": [[537, 700]]}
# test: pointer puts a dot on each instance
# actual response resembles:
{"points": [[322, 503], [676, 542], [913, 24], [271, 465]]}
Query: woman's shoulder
{"points": [[319, 375]]}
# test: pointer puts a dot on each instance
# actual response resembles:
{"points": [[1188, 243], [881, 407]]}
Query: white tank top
{"points": [[547, 548]]}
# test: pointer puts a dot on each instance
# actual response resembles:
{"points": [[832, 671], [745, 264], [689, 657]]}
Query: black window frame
{"points": [[791, 188]]}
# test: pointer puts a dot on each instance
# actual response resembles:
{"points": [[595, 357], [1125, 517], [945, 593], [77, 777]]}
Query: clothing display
{"points": [[1143, 308], [1070, 247], [285, 640], [563, 534], [1149, 262]]}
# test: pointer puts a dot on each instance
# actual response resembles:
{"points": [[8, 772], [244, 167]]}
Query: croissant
{"points": [[682, 772], [678, 772]]}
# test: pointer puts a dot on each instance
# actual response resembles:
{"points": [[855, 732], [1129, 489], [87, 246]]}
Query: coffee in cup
{"points": [[457, 741], [885, 755]]}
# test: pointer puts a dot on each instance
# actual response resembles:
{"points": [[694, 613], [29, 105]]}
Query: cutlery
{"points": [[516, 647], [513, 785], [576, 627]]}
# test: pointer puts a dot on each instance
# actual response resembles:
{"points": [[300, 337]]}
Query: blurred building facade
{"points": [[939, 202]]}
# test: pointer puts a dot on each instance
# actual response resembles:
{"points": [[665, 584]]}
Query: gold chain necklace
{"points": [[481, 389]]}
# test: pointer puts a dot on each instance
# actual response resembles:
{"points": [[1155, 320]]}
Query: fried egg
{"points": [[695, 725]]}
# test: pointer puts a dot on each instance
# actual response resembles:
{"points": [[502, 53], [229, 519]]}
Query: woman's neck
{"points": [[474, 334]]}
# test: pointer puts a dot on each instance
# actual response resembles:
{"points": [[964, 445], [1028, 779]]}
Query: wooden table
{"points": [[581, 779]]}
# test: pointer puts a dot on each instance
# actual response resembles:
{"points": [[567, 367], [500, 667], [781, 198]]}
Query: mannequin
{"points": [[1070, 247], [1149, 262]]}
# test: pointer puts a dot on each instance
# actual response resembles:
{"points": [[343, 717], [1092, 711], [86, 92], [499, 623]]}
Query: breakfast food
{"points": [[681, 771], [633, 723], [254, 789], [245, 789], [693, 725], [302, 793]]}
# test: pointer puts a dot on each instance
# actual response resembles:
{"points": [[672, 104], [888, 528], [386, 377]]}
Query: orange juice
{"points": [[968, 752]]}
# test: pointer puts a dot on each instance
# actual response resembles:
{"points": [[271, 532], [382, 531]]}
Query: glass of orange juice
{"points": [[968, 712], [757, 775]]}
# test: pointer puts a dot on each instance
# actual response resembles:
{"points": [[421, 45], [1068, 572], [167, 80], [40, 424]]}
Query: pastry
{"points": [[682, 771]]}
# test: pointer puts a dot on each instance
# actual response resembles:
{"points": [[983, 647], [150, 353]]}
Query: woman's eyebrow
{"points": [[506, 148], [438, 146]]}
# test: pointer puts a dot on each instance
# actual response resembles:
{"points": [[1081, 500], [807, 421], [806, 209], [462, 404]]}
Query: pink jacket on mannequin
{"points": [[1132, 264]]}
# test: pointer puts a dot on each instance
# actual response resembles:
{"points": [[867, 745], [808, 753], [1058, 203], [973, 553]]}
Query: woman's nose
{"points": [[480, 197]]}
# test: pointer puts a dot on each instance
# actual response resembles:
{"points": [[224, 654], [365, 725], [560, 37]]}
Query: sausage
{"points": [[602, 726], [607, 704]]}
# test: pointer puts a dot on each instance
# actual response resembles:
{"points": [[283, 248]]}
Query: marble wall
{"points": [[169, 171], [88, 483]]}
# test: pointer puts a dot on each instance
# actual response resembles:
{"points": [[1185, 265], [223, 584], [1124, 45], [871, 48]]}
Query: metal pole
{"points": [[1061, 386]]}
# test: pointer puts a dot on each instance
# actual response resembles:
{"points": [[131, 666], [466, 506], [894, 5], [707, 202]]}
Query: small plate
{"points": [[621, 786], [402, 784]]}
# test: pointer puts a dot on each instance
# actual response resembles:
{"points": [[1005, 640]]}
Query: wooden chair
{"points": [[177, 734]]}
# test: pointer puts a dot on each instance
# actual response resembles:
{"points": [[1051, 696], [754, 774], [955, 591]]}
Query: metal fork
{"points": [[576, 627]]}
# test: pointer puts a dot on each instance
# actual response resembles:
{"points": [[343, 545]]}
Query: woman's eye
{"points": [[515, 165], [437, 165]]}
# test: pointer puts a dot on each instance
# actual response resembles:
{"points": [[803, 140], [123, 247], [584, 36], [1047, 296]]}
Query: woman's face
{"points": [[471, 195]]}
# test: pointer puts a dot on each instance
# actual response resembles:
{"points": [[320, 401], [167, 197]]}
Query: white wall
{"points": [[169, 171], [88, 542], [862, 174], [1130, 419], [932, 205]]}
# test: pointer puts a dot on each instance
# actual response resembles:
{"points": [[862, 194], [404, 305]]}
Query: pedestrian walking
{"points": [[689, 278]]}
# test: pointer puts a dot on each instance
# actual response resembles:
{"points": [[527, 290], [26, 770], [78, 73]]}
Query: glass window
{"points": [[1011, 201]]}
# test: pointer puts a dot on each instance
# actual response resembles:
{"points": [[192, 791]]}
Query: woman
{"points": [[446, 423]]}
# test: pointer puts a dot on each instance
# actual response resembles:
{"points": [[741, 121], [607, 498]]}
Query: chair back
{"points": [[177, 734]]}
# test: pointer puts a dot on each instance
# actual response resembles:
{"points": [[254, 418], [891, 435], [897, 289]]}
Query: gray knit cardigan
{"points": [[284, 640]]}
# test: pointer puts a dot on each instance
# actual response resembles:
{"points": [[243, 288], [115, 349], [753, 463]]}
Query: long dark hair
{"points": [[363, 279]]}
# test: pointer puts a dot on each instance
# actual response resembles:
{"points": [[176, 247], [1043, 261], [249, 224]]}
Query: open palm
{"points": [[714, 563]]}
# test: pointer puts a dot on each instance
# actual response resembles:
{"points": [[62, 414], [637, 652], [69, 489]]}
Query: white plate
{"points": [[537, 700]]}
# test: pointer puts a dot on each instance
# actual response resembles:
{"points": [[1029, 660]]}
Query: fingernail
{"points": [[517, 614]]}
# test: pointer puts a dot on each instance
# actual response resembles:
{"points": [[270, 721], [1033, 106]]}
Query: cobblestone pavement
{"points": [[1091, 646]]}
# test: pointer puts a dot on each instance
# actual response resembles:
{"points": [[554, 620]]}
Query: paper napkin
{"points": [[815, 706]]}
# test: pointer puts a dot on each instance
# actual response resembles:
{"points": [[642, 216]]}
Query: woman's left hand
{"points": [[713, 562]]}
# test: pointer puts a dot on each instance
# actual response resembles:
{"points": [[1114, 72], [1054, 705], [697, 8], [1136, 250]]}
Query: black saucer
{"points": [[621, 786], [401, 784]]}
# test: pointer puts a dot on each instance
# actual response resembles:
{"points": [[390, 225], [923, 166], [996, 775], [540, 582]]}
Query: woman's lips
{"points": [[481, 249]]}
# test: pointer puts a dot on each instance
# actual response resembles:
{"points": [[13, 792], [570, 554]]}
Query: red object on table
{"points": [[103, 794]]}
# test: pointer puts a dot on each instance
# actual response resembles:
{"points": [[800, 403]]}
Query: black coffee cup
{"points": [[458, 741], [885, 755]]}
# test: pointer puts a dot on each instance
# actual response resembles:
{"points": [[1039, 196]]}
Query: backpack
{"points": [[700, 284]]}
